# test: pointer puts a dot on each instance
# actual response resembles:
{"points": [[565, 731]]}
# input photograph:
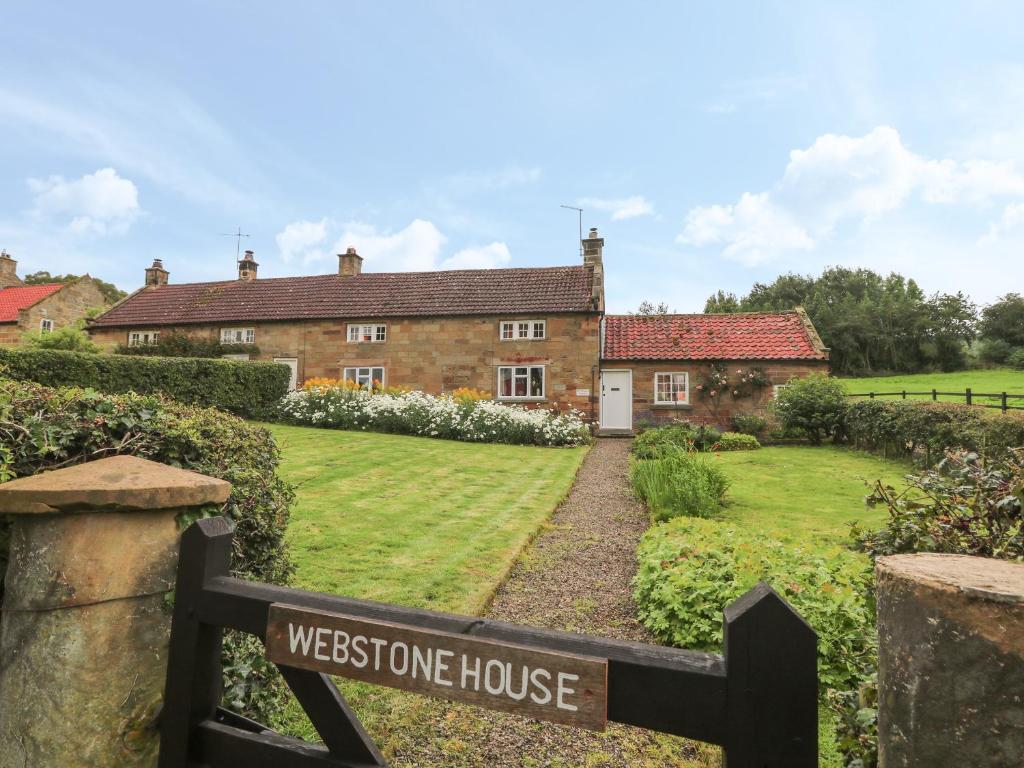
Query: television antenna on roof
{"points": [[238, 245], [580, 212]]}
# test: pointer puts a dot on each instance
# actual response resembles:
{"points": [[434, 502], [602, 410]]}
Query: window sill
{"points": [[672, 407], [521, 399]]}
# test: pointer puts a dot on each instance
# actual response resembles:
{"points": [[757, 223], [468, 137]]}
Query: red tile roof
{"points": [[746, 336], [371, 294], [21, 297]]}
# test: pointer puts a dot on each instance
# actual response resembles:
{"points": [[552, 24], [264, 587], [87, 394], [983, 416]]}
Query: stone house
{"points": [[41, 308], [537, 336]]}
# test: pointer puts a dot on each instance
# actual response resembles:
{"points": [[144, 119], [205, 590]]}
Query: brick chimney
{"points": [[350, 263], [593, 257], [8, 271], [156, 274], [247, 267]]}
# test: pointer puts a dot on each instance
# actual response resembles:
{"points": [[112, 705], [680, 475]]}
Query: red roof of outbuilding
{"points": [[19, 297], [746, 336], [371, 294]]}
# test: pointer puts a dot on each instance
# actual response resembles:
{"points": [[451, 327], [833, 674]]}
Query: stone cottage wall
{"points": [[699, 410], [65, 307], [434, 354]]}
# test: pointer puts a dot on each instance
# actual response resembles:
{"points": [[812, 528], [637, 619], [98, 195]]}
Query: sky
{"points": [[713, 145]]}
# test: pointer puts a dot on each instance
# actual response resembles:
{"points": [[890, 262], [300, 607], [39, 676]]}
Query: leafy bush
{"points": [[929, 429], [183, 345], [735, 441], [680, 434], [71, 338], [815, 405], [679, 482], [43, 428], [250, 389], [691, 569], [443, 416], [994, 351], [749, 424], [1016, 359], [962, 506]]}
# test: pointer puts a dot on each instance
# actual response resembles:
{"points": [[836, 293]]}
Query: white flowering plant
{"points": [[442, 416]]}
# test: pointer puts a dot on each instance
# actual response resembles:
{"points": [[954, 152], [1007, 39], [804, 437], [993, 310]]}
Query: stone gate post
{"points": [[86, 613], [950, 661]]}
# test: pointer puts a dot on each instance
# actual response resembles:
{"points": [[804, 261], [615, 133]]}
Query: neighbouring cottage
{"points": [[703, 368], [537, 335], [41, 308]]}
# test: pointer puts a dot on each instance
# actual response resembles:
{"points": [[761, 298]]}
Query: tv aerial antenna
{"points": [[238, 244], [579, 211]]}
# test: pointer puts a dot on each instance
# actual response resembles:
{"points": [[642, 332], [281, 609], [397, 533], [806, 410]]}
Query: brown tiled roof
{"points": [[744, 336], [371, 294]]}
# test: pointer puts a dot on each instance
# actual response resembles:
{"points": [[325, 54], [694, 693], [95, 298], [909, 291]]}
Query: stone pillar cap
{"points": [[981, 577], [118, 483]]}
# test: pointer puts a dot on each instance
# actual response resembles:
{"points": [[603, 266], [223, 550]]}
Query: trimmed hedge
{"points": [[737, 441], [245, 388], [929, 429], [43, 428]]}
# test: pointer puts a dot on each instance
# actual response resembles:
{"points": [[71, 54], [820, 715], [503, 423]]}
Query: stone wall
{"points": [[65, 307], [703, 410], [434, 354]]}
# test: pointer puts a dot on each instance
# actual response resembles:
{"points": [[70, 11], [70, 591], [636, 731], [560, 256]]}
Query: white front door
{"points": [[292, 363], [616, 399]]}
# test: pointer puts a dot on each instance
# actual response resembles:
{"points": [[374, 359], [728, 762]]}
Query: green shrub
{"points": [[43, 428], [962, 506], [250, 389], [679, 482], [929, 429], [816, 405], [994, 351], [679, 434], [183, 345], [691, 569], [1016, 359], [71, 338], [735, 441], [749, 424]]}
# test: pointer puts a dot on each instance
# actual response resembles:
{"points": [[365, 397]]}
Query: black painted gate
{"points": [[759, 700]]}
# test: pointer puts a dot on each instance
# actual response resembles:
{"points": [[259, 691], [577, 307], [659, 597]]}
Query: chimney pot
{"points": [[350, 263], [247, 267], [156, 274], [8, 271]]}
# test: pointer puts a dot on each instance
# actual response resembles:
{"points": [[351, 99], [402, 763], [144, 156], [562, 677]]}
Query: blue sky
{"points": [[713, 145]]}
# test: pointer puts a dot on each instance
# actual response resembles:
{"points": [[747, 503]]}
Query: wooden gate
{"points": [[759, 700]]}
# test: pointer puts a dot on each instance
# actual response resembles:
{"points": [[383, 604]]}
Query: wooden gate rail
{"points": [[968, 394], [759, 701]]}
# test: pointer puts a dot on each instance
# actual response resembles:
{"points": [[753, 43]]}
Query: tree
{"points": [[649, 309], [111, 293], [722, 303], [1004, 320]]}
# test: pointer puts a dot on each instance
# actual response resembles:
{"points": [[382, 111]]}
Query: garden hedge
{"points": [[245, 388], [43, 428]]}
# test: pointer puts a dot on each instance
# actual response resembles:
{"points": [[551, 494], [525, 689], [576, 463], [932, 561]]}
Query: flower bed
{"points": [[443, 416]]}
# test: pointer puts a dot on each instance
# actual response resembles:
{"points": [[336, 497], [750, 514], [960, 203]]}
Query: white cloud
{"points": [[842, 179], [1012, 222], [300, 238], [96, 203], [485, 257], [620, 208]]}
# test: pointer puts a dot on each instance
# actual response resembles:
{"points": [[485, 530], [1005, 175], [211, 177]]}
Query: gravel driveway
{"points": [[575, 576]]}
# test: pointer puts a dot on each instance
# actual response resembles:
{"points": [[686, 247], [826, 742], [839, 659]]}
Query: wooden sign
{"points": [[546, 685]]}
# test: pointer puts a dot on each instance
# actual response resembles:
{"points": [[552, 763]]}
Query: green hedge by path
{"points": [[245, 388]]}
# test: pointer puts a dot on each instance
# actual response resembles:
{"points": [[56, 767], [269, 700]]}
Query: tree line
{"points": [[874, 323]]}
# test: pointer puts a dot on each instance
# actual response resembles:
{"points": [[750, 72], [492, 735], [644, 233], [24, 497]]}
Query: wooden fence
{"points": [[969, 396]]}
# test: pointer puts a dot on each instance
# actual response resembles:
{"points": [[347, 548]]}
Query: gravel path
{"points": [[575, 576]]}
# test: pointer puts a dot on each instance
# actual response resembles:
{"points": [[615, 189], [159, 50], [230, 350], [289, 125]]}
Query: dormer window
{"points": [[237, 335], [373, 334], [523, 330]]}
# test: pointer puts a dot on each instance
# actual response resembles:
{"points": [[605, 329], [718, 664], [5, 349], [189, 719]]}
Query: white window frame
{"points": [[46, 325], [686, 388], [522, 330], [358, 369], [143, 338], [527, 375], [368, 333], [237, 335]]}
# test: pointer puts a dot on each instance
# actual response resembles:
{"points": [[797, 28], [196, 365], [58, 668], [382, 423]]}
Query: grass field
{"points": [[994, 380], [805, 493]]}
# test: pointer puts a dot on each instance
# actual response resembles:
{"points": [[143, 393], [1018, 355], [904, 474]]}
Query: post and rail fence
{"points": [[970, 397]]}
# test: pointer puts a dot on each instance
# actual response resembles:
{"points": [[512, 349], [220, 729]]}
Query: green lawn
{"points": [[994, 381], [420, 522], [801, 493]]}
